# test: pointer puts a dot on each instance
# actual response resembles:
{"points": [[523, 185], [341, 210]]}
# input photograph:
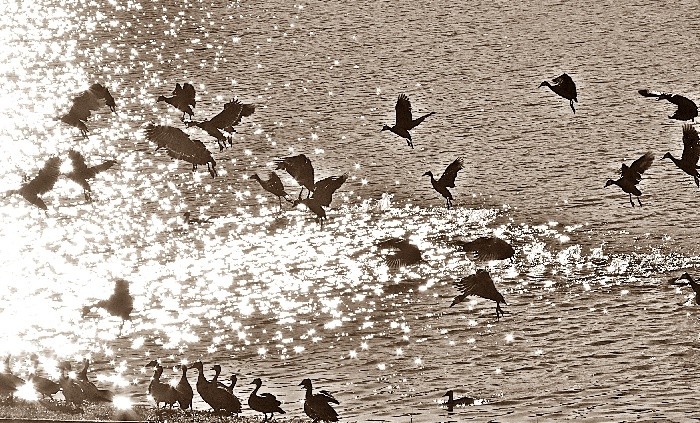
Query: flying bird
{"points": [[41, 184], [481, 285], [318, 406], [404, 119], [487, 248], [265, 403], [179, 146], [300, 168], [447, 180], [322, 196], [224, 120], [81, 172], [688, 280], [565, 87], [272, 185], [687, 109], [85, 103], [632, 175], [405, 254], [688, 162], [119, 304], [182, 99]]}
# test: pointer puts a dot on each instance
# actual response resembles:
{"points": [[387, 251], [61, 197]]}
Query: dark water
{"points": [[595, 333]]}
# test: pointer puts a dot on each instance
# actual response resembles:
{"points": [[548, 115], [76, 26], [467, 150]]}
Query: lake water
{"points": [[594, 330]]}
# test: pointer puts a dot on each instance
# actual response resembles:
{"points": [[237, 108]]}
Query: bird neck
{"points": [[255, 391]]}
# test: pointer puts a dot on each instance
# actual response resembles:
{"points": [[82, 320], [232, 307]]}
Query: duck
{"points": [[487, 248], [688, 281], [224, 120], [42, 183], [452, 402], [184, 390], [217, 398], [72, 391], [180, 146], [161, 392], [183, 99], [687, 109], [481, 285], [688, 162], [85, 103], [630, 176], [318, 406], [404, 119], [447, 180], [272, 185], [119, 304], [265, 403], [565, 87], [81, 172], [406, 253]]}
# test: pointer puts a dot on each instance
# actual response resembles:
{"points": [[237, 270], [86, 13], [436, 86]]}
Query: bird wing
{"points": [[324, 189], [403, 112], [448, 177], [473, 284], [639, 166], [276, 183], [178, 143], [407, 253], [231, 115], [46, 178], [102, 166], [163, 134], [691, 144], [248, 109], [78, 162], [327, 396], [563, 79], [300, 168], [189, 93]]}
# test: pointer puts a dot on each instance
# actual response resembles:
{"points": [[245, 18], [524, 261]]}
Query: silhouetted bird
{"points": [[565, 87], [322, 196], [9, 382], [42, 385], [406, 253], [215, 381], [272, 185], [41, 184], [180, 146], [688, 162], [688, 281], [687, 110], [161, 392], [86, 102], [265, 403], [225, 120], [189, 219], [487, 248], [219, 399], [300, 168], [90, 391], [404, 119], [452, 402], [81, 172], [447, 180], [119, 304], [632, 175], [230, 387], [182, 99], [72, 392], [318, 406], [481, 285], [184, 390]]}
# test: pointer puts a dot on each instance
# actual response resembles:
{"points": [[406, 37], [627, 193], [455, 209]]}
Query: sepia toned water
{"points": [[594, 330]]}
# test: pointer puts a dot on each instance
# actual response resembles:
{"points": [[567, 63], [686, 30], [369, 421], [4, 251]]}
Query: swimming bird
{"points": [[81, 172], [217, 398], [406, 253], [184, 390], [687, 109], [487, 248], [90, 391], [565, 87], [322, 196], [481, 285], [272, 185], [447, 180], [318, 406], [72, 391], [688, 162], [300, 168], [182, 99], [161, 392], [85, 103], [224, 120], [180, 146], [119, 304], [632, 175], [189, 219], [41, 184], [404, 119], [265, 403], [688, 281], [452, 402]]}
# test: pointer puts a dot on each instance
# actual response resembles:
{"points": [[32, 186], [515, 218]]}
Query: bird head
{"points": [[458, 299], [160, 98], [608, 183], [544, 84], [152, 363], [449, 394], [386, 128], [198, 365], [428, 173], [255, 177], [256, 381], [306, 383], [667, 156], [216, 368]]}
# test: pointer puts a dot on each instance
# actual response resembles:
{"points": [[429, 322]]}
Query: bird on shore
{"points": [[42, 183], [81, 172], [224, 120], [404, 120], [481, 285], [9, 382], [85, 103], [183, 99], [322, 196], [300, 168], [630, 176], [318, 406], [452, 402], [161, 392], [487, 248], [687, 109], [119, 304], [181, 147], [688, 162], [215, 380], [265, 403], [230, 387], [273, 185], [217, 398], [405, 254], [72, 391], [91, 392], [447, 180], [565, 87], [44, 386], [184, 390], [688, 280]]}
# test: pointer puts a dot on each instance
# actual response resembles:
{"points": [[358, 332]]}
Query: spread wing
{"points": [[448, 177], [46, 178], [691, 145], [178, 143], [327, 396], [563, 79], [300, 168], [475, 284], [78, 162], [230, 116], [638, 167], [324, 189], [403, 112], [186, 92]]}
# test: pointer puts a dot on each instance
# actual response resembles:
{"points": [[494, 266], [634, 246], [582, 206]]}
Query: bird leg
{"points": [[571, 103], [631, 202], [639, 201], [697, 182]]}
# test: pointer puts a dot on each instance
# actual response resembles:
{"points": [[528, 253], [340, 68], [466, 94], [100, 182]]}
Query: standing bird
{"points": [[481, 285], [272, 185], [688, 162], [182, 99], [72, 391], [487, 248], [224, 120], [9, 382], [265, 403], [86, 102], [42, 385], [41, 184], [404, 119], [119, 304], [300, 168], [322, 196], [452, 402], [687, 109], [632, 175], [230, 387], [217, 398], [180, 146], [184, 390], [91, 392], [81, 172], [161, 392], [447, 180], [565, 87], [406, 253], [688, 281], [318, 406]]}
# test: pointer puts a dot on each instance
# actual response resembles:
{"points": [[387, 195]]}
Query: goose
{"points": [[119, 304], [300, 168], [265, 403], [487, 248], [452, 402], [81, 172], [72, 391], [565, 87], [322, 196], [181, 147], [688, 162], [230, 387], [184, 390], [447, 180], [215, 381], [481, 285], [85, 103], [687, 109], [161, 392], [404, 119], [688, 281], [318, 406], [217, 398], [41, 184], [406, 253], [632, 175], [182, 99], [272, 185], [224, 120]]}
